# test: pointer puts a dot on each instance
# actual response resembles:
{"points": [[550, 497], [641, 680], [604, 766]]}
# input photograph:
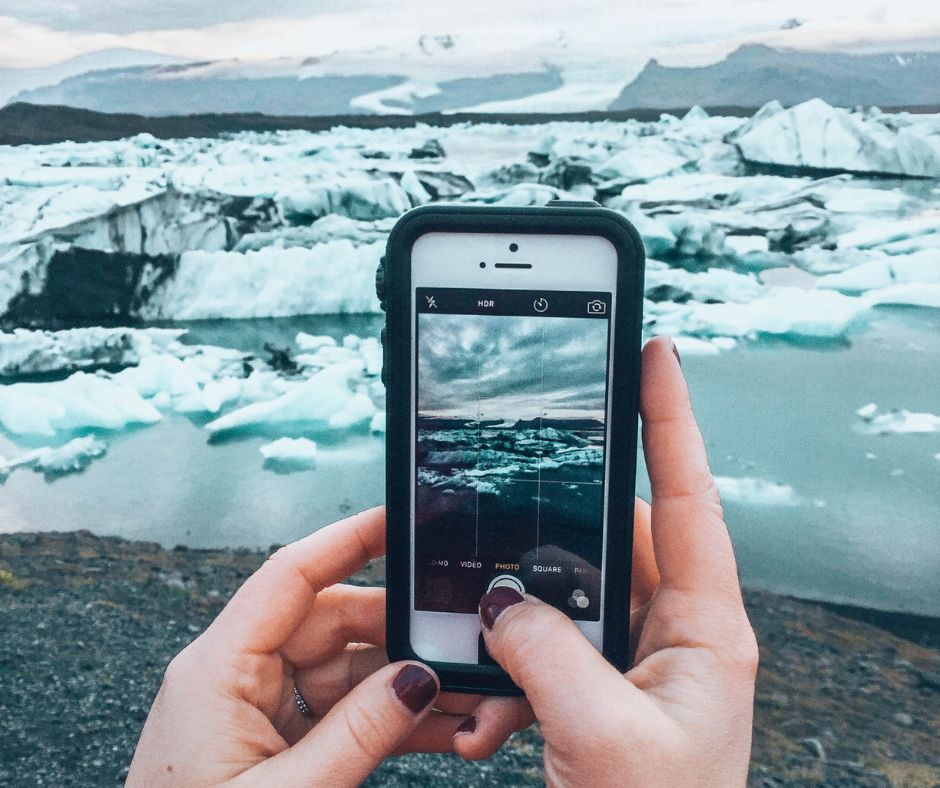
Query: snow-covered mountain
{"points": [[17, 80], [755, 74], [436, 73]]}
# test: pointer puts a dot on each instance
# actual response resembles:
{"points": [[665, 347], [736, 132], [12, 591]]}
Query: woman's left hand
{"points": [[226, 710]]}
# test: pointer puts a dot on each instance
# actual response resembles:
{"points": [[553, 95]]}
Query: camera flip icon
{"points": [[597, 307]]}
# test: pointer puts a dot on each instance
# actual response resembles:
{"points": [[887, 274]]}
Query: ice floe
{"points": [[79, 402], [816, 136], [24, 352], [332, 277], [324, 400], [293, 223], [895, 422], [57, 461], [295, 452], [757, 492]]}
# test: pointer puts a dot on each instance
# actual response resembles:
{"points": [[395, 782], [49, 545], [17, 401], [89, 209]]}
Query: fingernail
{"points": [[495, 602], [415, 687], [675, 352], [469, 725]]}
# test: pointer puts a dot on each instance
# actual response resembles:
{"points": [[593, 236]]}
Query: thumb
{"points": [[358, 733], [563, 676]]}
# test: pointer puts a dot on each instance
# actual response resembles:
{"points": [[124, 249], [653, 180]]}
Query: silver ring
{"points": [[301, 703]]}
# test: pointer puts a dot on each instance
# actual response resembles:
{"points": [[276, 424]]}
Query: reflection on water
{"points": [[867, 530]]}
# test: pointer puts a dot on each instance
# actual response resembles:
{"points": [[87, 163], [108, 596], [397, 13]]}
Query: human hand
{"points": [[682, 714], [226, 710]]}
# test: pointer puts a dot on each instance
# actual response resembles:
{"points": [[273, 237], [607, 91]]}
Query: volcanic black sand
{"points": [[87, 625]]}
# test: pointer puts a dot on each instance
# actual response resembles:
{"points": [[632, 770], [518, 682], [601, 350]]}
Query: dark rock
{"points": [[443, 185], [511, 174], [281, 359], [661, 293], [538, 159], [566, 173], [432, 149]]}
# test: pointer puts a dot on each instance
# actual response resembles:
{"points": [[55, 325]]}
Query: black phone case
{"points": [[393, 284]]}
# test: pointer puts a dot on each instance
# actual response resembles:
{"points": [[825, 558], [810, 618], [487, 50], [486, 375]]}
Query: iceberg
{"points": [[294, 452], [887, 232], [24, 352], [330, 278], [646, 159], [885, 271], [757, 492], [814, 136], [79, 402], [781, 311], [895, 422], [358, 197], [906, 295], [324, 400], [72, 457]]}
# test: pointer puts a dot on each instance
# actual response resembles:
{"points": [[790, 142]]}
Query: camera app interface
{"points": [[510, 455]]}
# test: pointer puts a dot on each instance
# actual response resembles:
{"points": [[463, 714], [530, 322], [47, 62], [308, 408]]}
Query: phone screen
{"points": [[511, 408]]}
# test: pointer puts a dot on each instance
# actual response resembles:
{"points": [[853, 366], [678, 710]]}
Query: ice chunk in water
{"points": [[760, 492], [378, 422], [325, 395], [300, 452], [814, 135], [906, 295], [335, 277], [356, 411], [25, 352], [57, 461], [897, 422], [786, 311], [309, 342], [80, 402]]}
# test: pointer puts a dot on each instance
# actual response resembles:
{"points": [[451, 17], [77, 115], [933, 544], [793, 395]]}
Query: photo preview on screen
{"points": [[510, 456]]}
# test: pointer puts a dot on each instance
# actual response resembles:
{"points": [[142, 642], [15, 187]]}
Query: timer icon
{"points": [[540, 304]]}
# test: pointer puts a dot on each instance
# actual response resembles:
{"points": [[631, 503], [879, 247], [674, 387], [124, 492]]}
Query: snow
{"points": [[57, 461], [813, 135], [757, 492], [895, 422], [300, 452]]}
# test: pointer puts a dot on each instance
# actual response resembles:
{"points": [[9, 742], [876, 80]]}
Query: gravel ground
{"points": [[87, 625]]}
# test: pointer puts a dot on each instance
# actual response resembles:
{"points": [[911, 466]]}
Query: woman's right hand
{"points": [[682, 714]]}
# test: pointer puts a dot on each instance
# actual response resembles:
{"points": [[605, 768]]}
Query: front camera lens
{"points": [[513, 247], [482, 265]]}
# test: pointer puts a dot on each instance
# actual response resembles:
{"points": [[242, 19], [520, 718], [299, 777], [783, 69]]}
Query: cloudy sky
{"points": [[497, 362], [678, 32]]}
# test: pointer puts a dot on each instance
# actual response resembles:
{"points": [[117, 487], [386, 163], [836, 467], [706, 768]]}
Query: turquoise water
{"points": [[866, 532]]}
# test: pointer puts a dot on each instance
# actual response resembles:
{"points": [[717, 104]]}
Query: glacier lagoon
{"points": [[817, 506], [794, 256]]}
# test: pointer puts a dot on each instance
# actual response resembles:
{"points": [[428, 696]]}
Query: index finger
{"points": [[275, 600], [690, 541]]}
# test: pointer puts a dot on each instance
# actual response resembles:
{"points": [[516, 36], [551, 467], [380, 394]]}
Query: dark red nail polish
{"points": [[675, 352], [495, 602], [415, 687], [469, 725]]}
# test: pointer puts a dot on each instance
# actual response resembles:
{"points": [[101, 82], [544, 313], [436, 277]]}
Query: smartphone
{"points": [[512, 351]]}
